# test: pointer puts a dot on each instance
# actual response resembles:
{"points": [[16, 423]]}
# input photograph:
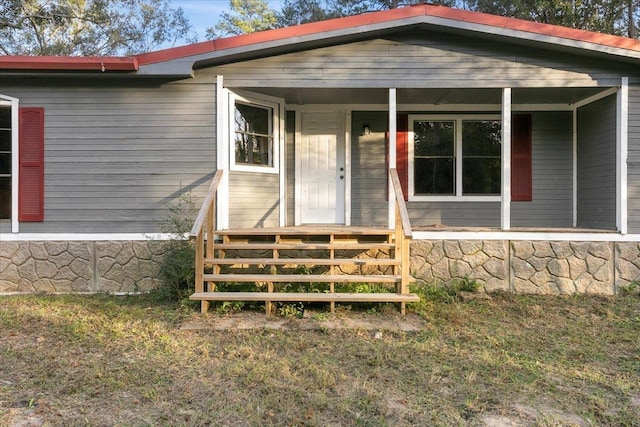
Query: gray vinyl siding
{"points": [[633, 161], [290, 145], [368, 170], [253, 199], [116, 155], [422, 59], [552, 168], [597, 164]]}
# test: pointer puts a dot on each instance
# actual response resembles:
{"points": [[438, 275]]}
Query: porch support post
{"points": [[222, 145], [505, 211], [622, 140], [15, 164], [392, 154]]}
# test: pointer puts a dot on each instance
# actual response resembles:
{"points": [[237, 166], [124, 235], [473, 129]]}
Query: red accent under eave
{"points": [[69, 63], [388, 16]]}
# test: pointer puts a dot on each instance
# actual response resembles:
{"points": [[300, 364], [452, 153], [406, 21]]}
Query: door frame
{"points": [[346, 119]]}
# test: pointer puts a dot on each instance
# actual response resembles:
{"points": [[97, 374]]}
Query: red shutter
{"points": [[521, 172], [402, 152], [31, 159]]}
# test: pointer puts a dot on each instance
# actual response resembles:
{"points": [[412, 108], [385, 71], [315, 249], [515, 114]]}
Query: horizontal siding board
{"points": [[253, 199], [368, 174], [552, 168], [424, 59], [115, 156], [597, 164]]}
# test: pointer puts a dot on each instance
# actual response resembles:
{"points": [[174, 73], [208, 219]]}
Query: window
{"points": [[454, 157], [254, 134], [5, 161]]}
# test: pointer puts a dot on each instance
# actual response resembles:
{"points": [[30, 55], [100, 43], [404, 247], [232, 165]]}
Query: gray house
{"points": [[516, 146]]}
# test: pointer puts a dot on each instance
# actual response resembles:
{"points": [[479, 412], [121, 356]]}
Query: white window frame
{"points": [[457, 152], [260, 101], [14, 104]]}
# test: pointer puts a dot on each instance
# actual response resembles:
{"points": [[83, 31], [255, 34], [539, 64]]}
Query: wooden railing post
{"points": [[403, 236], [204, 233]]}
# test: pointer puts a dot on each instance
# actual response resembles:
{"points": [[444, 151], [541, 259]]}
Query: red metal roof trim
{"points": [[389, 16], [534, 27], [314, 28], [68, 63]]}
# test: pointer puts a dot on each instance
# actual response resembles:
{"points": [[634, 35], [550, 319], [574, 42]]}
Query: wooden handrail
{"points": [[400, 204], [206, 204], [203, 231]]}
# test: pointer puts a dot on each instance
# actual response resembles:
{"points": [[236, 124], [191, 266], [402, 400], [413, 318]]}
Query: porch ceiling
{"points": [[305, 96]]}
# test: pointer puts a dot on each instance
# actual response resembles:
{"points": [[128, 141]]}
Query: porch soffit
{"points": [[440, 97]]}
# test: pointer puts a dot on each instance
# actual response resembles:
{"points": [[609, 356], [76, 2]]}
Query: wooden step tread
{"points": [[308, 231], [302, 278], [303, 297], [302, 261], [303, 246]]}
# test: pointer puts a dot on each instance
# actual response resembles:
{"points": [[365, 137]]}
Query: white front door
{"points": [[321, 168]]}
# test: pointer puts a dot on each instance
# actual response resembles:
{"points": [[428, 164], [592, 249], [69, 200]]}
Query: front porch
{"points": [[276, 259]]}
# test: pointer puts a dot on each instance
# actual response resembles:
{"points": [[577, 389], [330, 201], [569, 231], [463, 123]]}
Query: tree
{"points": [[296, 12], [607, 16], [88, 27], [246, 16]]}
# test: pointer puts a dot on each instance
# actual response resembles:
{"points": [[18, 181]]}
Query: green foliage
{"points": [[246, 16], [226, 307], [177, 268], [89, 27], [291, 310], [439, 291]]}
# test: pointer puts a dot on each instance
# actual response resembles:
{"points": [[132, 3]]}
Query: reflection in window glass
{"points": [[5, 162], [434, 157], [253, 135], [481, 150]]}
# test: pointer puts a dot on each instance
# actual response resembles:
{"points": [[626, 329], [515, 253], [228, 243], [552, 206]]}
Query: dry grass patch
{"points": [[531, 361]]}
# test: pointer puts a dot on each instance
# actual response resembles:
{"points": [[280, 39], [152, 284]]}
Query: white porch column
{"points": [[505, 208], [622, 140], [222, 145], [392, 153]]}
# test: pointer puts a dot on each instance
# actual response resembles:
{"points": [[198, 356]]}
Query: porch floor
{"points": [[513, 229], [364, 230]]}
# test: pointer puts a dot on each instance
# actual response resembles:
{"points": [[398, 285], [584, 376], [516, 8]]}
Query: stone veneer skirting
{"points": [[534, 267], [530, 267], [79, 266]]}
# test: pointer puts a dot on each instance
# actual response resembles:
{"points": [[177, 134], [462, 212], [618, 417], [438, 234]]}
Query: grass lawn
{"points": [[511, 361]]}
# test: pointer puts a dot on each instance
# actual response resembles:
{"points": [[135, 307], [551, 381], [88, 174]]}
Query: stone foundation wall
{"points": [[518, 266], [69, 266], [529, 267]]}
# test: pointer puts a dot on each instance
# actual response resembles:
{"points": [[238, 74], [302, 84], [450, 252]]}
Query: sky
{"points": [[203, 14]]}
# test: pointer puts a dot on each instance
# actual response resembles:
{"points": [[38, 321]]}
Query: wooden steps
{"points": [[301, 261], [323, 255], [304, 297], [328, 254], [301, 278]]}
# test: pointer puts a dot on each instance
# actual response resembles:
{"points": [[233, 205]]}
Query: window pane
{"points": [[481, 176], [252, 119], [434, 176], [5, 163], [5, 117], [253, 150], [5, 198], [434, 138], [481, 138], [5, 140]]}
